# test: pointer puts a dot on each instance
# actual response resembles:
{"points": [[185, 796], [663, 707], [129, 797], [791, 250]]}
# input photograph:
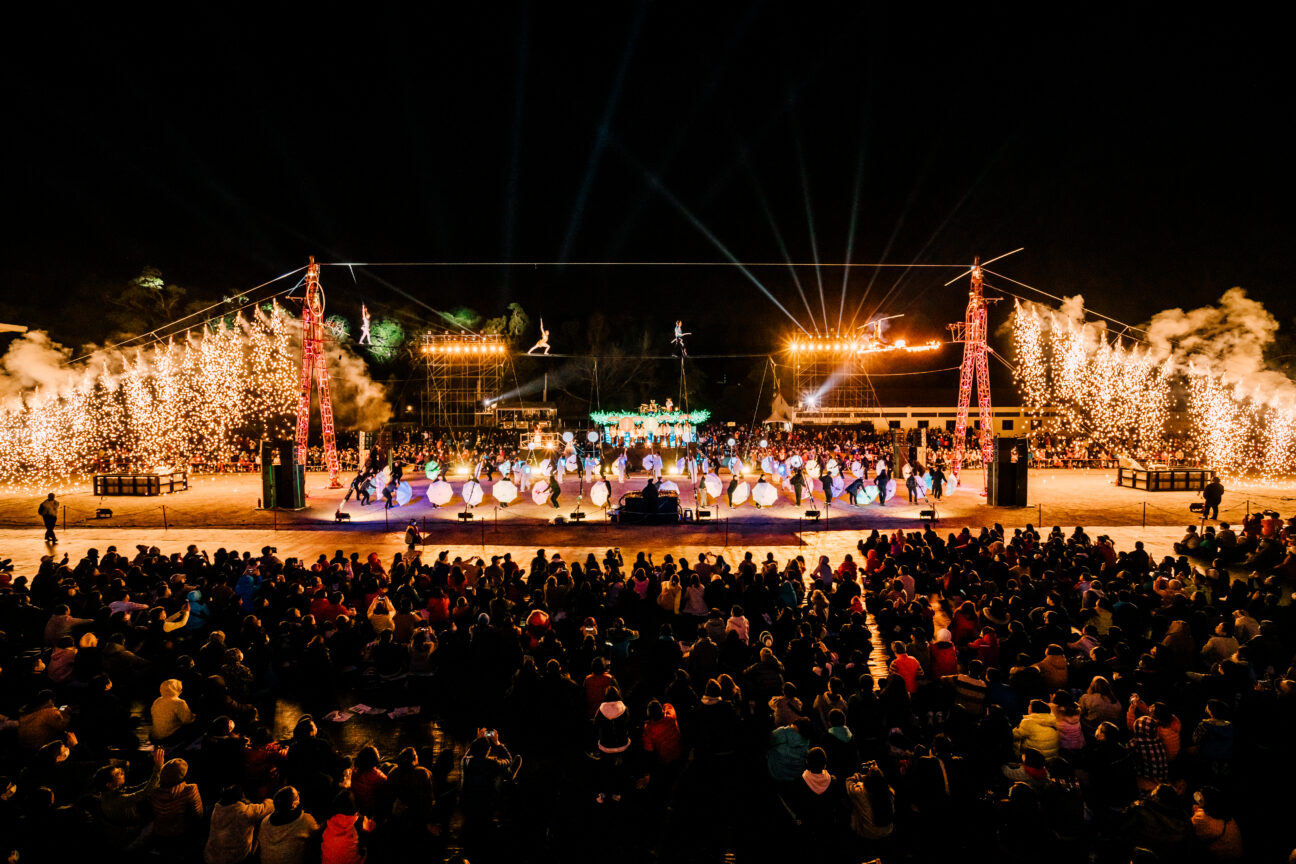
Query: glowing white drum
{"points": [[471, 492], [540, 491], [713, 485], [740, 493], [505, 492], [764, 494], [440, 493], [668, 486], [599, 494], [403, 494]]}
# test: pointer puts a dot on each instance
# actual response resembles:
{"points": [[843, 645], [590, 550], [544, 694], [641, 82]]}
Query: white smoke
{"points": [[1226, 341]]}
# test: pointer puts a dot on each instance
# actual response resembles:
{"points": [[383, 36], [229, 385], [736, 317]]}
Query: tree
{"points": [[146, 302]]}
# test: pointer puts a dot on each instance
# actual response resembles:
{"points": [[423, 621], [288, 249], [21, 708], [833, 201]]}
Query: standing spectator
{"points": [[234, 823]]}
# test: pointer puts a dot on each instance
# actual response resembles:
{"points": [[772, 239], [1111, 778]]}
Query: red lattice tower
{"points": [[972, 333], [313, 369]]}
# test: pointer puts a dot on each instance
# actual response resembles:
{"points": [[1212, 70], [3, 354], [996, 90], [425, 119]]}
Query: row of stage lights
{"points": [[465, 348], [829, 345]]}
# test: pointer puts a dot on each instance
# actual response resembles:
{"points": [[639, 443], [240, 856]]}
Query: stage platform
{"points": [[1163, 479]]}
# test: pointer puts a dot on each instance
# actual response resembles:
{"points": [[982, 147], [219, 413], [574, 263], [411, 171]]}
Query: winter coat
{"points": [[289, 842], [233, 831], [1038, 732], [169, 712], [341, 841], [786, 755], [613, 726]]}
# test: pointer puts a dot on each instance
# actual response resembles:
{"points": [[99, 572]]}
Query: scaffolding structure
{"points": [[465, 375], [971, 331], [315, 370], [830, 373]]}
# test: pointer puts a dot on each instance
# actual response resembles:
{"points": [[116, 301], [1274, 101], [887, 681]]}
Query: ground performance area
{"points": [[1034, 696]]}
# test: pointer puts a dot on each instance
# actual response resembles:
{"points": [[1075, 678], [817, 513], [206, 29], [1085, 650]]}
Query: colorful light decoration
{"points": [[855, 344]]}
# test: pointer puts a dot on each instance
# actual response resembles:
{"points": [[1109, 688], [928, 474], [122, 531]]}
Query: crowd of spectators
{"points": [[1015, 695]]}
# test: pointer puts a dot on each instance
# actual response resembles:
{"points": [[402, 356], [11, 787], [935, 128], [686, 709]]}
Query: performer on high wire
{"points": [[544, 340], [679, 337], [364, 326]]}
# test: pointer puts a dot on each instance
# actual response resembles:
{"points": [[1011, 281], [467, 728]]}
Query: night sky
{"points": [[1140, 159]]}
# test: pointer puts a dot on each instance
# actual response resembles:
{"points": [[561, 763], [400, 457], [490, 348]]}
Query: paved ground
{"points": [[222, 511]]}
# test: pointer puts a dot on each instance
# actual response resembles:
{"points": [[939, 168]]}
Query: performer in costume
{"points": [[364, 326], [544, 340], [554, 491]]}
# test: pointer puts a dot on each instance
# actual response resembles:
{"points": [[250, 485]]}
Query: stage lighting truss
{"points": [[465, 374], [854, 345]]}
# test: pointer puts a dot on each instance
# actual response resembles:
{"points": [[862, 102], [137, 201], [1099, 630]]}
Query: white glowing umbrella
{"points": [[857, 470], [837, 486], [740, 493], [921, 486], [440, 492], [679, 465], [505, 492], [713, 485], [540, 491], [599, 494], [571, 463], [812, 468], [432, 470], [795, 460], [506, 467], [906, 471], [471, 492], [763, 494], [833, 468], [544, 467], [767, 465], [592, 437], [866, 495], [403, 494], [890, 490], [668, 486], [735, 465], [567, 437]]}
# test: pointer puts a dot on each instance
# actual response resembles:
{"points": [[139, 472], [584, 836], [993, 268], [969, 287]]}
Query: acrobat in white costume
{"points": [[679, 337], [544, 340], [364, 326], [656, 461]]}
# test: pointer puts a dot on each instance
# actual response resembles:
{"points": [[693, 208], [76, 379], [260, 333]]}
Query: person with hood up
{"points": [[1038, 730], [345, 833], [170, 713], [286, 833], [234, 823], [199, 611], [612, 728], [788, 745], [944, 656]]}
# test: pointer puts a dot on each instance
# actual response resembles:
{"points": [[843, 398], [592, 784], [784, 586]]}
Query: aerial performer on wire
{"points": [[544, 340], [679, 337], [364, 326]]}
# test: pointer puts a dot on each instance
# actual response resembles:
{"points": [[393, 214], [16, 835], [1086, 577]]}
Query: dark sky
{"points": [[1142, 158]]}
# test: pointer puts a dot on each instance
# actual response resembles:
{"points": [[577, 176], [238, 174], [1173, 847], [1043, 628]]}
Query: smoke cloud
{"points": [[1226, 341]]}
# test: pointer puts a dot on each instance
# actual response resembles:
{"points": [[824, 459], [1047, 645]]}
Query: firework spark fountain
{"points": [[180, 403]]}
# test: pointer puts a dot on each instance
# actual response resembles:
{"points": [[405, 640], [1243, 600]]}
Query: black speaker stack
{"points": [[1006, 473]]}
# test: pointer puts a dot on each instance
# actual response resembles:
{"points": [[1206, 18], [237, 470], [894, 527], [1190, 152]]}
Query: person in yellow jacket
{"points": [[1038, 731]]}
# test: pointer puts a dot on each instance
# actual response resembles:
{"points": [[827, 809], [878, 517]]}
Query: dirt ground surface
{"points": [[222, 511]]}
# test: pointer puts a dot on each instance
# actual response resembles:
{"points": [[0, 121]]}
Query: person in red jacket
{"points": [[661, 735], [944, 656], [909, 669]]}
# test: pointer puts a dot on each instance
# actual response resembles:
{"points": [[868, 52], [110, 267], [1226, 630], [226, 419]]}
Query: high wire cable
{"points": [[626, 264], [1063, 300], [193, 315]]}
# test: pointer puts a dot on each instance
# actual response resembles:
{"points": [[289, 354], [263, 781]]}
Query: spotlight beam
{"points": [[850, 234], [805, 193], [603, 134], [778, 236]]}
